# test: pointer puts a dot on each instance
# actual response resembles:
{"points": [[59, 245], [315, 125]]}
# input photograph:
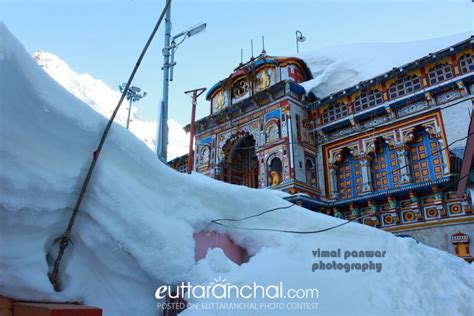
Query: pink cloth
{"points": [[205, 240]]}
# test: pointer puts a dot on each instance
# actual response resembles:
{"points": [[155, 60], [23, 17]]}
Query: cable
{"points": [[285, 231], [217, 221], [255, 215], [66, 236], [436, 152]]}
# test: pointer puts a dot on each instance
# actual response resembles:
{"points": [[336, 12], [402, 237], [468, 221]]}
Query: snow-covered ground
{"points": [[340, 67], [135, 229], [103, 99]]}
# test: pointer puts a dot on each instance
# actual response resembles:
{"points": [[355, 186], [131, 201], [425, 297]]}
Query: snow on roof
{"points": [[135, 228], [340, 67]]}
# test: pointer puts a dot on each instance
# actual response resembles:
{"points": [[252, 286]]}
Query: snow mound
{"points": [[340, 67], [103, 99], [135, 229]]}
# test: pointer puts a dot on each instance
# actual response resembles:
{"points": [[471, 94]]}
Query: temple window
{"points": [[440, 73], [349, 177], [310, 171], [334, 112], [368, 99], [298, 128], [426, 157], [274, 171], [404, 86], [385, 168], [466, 63]]}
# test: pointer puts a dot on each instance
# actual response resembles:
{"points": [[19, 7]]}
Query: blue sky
{"points": [[105, 37]]}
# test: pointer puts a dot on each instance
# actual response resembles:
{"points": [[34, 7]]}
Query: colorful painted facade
{"points": [[388, 149]]}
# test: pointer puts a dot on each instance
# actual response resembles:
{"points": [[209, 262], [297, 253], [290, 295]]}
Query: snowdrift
{"points": [[135, 229], [340, 67]]}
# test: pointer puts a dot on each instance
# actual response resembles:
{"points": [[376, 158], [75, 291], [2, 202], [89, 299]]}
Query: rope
{"points": [[65, 238]]}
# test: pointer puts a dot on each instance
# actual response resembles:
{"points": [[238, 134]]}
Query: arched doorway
{"points": [[241, 162]]}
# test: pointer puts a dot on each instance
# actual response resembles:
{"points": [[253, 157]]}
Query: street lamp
{"points": [[170, 47], [133, 95], [173, 47], [299, 38]]}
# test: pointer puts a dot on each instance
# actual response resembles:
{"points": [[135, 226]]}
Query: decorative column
{"points": [[444, 156], [366, 174], [403, 163], [334, 193], [438, 200], [394, 209], [415, 205]]}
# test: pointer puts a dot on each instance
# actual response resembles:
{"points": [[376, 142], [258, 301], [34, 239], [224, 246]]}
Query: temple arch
{"points": [[310, 171], [274, 170], [240, 165]]}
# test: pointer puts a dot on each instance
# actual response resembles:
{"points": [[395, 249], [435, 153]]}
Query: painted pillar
{"points": [[438, 200], [415, 205], [366, 174], [334, 194], [403, 163]]}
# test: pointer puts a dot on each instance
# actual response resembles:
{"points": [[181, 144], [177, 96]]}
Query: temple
{"points": [[390, 148]]}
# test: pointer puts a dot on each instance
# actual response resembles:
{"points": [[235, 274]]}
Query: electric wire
{"points": [[218, 221]]}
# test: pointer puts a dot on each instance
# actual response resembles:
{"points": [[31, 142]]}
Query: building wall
{"points": [[456, 122], [440, 236]]}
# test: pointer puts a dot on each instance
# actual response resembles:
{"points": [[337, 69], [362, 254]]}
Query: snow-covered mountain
{"points": [[103, 99]]}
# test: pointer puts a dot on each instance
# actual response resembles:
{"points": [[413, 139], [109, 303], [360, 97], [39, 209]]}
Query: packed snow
{"points": [[340, 67], [103, 99], [135, 229]]}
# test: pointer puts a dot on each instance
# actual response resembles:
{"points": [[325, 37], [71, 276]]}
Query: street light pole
{"points": [[129, 111], [133, 95], [162, 131], [194, 95], [169, 50], [299, 38]]}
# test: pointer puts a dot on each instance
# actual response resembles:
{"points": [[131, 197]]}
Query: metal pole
{"points": [[191, 135], [195, 94], [162, 133], [129, 110], [297, 46]]}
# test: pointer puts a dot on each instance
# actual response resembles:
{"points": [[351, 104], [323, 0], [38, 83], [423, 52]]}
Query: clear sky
{"points": [[105, 37]]}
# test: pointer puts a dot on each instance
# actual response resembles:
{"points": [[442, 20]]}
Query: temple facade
{"points": [[386, 152]]}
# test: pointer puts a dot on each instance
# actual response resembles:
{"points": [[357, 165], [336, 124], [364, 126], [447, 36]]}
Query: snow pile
{"points": [[340, 67], [135, 229], [103, 99]]}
